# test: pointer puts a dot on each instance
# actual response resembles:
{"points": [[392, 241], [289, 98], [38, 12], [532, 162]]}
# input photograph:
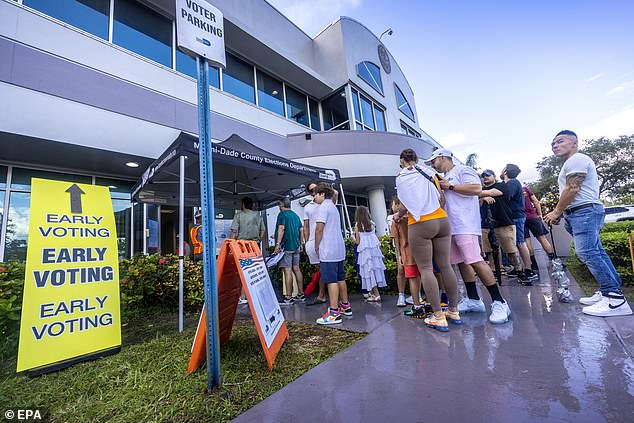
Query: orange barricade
{"points": [[240, 264]]}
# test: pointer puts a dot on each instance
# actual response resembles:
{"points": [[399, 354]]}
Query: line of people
{"points": [[447, 214]]}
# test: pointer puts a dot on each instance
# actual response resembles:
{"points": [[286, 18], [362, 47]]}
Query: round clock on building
{"points": [[384, 58]]}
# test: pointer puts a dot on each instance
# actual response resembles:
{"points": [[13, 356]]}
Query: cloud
{"points": [[313, 16], [626, 86], [595, 77], [453, 140], [620, 123]]}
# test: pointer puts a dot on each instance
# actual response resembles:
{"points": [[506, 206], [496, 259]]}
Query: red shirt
{"points": [[529, 208]]}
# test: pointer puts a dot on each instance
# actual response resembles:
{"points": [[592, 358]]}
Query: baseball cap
{"points": [[441, 152], [487, 172]]}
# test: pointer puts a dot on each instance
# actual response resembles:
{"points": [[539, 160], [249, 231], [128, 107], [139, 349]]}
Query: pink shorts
{"points": [[465, 249]]}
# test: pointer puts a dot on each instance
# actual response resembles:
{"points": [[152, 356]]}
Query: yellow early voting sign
{"points": [[71, 286]]}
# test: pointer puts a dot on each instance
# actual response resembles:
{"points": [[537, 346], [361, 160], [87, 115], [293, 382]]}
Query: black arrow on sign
{"points": [[75, 198]]}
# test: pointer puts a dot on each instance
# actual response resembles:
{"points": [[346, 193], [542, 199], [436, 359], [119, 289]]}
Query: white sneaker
{"points": [[500, 313], [467, 305], [409, 300], [596, 297], [611, 304], [401, 300], [242, 301]]}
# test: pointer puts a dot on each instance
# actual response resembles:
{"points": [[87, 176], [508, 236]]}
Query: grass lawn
{"points": [[587, 282], [147, 381]]}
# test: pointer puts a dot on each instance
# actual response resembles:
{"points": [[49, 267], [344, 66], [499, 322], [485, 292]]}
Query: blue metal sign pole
{"points": [[208, 224]]}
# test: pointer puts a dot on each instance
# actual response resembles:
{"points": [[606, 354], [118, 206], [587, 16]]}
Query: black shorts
{"points": [[536, 227]]}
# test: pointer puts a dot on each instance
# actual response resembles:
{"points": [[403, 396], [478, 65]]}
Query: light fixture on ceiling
{"points": [[132, 164], [274, 92]]}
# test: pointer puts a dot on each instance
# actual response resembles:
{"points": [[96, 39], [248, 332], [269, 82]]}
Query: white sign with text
{"points": [[200, 31]]}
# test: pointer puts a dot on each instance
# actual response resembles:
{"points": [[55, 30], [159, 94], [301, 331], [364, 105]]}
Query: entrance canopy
{"points": [[240, 169]]}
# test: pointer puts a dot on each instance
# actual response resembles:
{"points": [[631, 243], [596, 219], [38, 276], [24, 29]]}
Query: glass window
{"points": [[379, 116], [138, 228], [314, 114], [118, 188], [143, 31], [237, 79], [335, 111], [371, 74], [366, 111], [270, 94], [17, 227], [362, 201], [402, 103], [21, 178], [153, 232], [3, 176], [122, 221], [408, 131], [88, 15], [187, 65], [357, 108], [296, 106]]}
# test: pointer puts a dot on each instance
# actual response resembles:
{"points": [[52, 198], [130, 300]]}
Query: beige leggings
{"points": [[432, 239]]}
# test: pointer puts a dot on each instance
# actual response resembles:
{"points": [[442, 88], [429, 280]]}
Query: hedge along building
{"points": [[88, 86]]}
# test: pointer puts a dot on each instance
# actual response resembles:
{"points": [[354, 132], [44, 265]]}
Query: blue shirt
{"points": [[517, 198]]}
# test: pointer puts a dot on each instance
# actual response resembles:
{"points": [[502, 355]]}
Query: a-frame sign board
{"points": [[240, 264]]}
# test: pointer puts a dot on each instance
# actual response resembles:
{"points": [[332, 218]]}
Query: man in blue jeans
{"points": [[516, 201], [583, 212]]}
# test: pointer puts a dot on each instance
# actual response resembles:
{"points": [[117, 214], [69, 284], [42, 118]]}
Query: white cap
{"points": [[441, 152]]}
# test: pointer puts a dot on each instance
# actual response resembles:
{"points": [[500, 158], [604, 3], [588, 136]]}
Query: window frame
{"points": [[398, 90], [378, 89], [373, 106]]}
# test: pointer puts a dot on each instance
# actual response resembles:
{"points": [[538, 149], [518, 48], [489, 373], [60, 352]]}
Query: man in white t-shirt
{"points": [[462, 186], [310, 213], [331, 250], [584, 214]]}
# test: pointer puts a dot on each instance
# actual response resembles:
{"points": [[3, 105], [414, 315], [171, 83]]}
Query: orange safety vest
{"points": [[198, 246]]}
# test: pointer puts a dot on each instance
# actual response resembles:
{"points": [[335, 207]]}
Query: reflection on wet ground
{"points": [[548, 363]]}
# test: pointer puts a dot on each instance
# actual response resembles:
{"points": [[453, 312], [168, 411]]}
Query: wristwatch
{"points": [[451, 187]]}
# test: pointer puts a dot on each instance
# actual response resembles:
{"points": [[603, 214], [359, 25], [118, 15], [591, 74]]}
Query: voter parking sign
{"points": [[71, 286]]}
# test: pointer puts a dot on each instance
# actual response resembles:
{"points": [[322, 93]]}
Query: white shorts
{"points": [[311, 253]]}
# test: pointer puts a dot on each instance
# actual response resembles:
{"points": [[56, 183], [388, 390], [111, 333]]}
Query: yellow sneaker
{"points": [[453, 317], [438, 323]]}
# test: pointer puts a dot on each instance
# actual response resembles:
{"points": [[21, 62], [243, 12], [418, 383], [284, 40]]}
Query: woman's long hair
{"points": [[363, 219]]}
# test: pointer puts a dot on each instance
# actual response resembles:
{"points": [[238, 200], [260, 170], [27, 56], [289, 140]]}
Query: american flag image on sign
{"points": [[250, 262]]}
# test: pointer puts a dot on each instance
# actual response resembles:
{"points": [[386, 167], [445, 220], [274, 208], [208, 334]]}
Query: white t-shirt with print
{"points": [[331, 247], [463, 210], [589, 192]]}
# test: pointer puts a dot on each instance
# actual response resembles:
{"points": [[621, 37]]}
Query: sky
{"points": [[501, 78]]}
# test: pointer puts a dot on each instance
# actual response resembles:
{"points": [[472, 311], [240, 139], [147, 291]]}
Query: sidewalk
{"points": [[550, 362]]}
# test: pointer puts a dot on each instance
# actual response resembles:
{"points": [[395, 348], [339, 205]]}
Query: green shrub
{"points": [[11, 287], [153, 280], [617, 226], [617, 247]]}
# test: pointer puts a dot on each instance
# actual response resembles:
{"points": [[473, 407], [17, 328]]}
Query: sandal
{"points": [[374, 298]]}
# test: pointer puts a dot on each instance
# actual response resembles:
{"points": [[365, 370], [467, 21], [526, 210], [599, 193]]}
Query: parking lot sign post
{"points": [[200, 34]]}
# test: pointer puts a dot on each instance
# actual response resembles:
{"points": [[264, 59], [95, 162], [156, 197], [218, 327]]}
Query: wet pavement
{"points": [[549, 363]]}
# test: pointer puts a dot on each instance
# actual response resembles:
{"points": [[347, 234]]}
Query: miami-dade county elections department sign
{"points": [[267, 310], [200, 30], [71, 285]]}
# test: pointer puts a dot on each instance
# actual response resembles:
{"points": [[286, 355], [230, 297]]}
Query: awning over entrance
{"points": [[240, 169]]}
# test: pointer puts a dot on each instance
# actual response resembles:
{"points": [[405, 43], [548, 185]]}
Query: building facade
{"points": [[90, 88]]}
